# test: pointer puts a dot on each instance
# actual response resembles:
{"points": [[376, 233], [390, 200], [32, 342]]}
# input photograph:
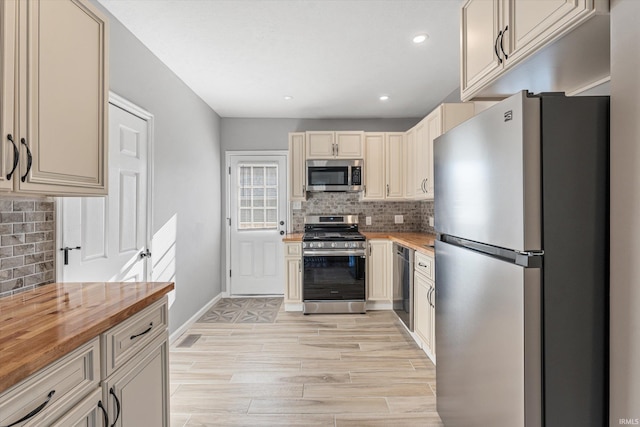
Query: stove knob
{"points": [[321, 245], [333, 245], [304, 245]]}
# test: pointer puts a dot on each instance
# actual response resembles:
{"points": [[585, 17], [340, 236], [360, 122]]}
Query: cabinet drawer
{"points": [[424, 264], [293, 249], [61, 385], [129, 337]]}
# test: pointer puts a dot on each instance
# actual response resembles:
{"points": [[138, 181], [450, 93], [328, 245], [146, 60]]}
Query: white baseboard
{"points": [[182, 329], [379, 305], [293, 306]]}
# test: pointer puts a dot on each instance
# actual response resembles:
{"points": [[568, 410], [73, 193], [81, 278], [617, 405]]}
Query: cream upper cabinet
{"points": [[384, 166], [375, 165], [394, 150], [442, 119], [297, 167], [481, 29], [335, 145], [379, 272], [53, 104], [498, 34], [409, 163], [8, 15]]}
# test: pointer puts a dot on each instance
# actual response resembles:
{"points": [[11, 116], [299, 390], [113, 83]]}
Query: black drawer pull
{"points": [[104, 413], [35, 411], [113, 393], [16, 156], [29, 160], [143, 332]]}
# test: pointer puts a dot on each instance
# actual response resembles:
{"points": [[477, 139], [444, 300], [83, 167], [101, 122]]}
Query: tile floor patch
{"points": [[243, 310]]}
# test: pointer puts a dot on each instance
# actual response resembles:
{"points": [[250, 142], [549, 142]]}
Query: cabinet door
{"points": [[394, 165], [89, 413], [349, 145], [8, 16], [422, 309], [320, 145], [293, 286], [63, 97], [374, 166], [409, 163], [421, 161], [434, 130], [138, 393], [535, 22], [297, 167], [481, 23], [379, 286]]}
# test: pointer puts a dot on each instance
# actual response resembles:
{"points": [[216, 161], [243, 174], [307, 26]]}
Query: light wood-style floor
{"points": [[315, 370]]}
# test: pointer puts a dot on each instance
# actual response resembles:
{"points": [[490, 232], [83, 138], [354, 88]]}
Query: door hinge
{"points": [[229, 170], [229, 273], [229, 221]]}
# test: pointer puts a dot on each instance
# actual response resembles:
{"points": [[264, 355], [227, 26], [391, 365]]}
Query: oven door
{"points": [[331, 275]]}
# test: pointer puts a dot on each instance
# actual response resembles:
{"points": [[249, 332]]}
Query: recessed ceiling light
{"points": [[384, 98], [288, 98], [420, 38]]}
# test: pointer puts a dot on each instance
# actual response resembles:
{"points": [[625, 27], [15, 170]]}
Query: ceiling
{"points": [[335, 58]]}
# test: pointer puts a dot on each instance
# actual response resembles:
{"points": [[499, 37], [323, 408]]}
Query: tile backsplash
{"points": [[382, 213], [27, 236]]}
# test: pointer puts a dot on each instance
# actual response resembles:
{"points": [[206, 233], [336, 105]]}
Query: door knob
{"points": [[145, 254], [281, 232], [281, 222], [66, 250]]}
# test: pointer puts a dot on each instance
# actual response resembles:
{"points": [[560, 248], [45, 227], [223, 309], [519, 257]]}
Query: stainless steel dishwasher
{"points": [[403, 284]]}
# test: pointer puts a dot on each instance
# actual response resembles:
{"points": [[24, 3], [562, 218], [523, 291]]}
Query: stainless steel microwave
{"points": [[334, 175]]}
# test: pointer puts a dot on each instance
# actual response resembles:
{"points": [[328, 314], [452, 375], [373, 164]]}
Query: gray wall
{"points": [[186, 194], [625, 214]]}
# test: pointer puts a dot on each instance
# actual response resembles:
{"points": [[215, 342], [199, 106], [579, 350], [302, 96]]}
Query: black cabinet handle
{"points": [[104, 413], [35, 411], [29, 160], [143, 332], [113, 393], [495, 47], [502, 47], [16, 156]]}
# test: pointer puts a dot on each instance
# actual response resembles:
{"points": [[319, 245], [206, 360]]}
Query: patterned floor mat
{"points": [[243, 310]]}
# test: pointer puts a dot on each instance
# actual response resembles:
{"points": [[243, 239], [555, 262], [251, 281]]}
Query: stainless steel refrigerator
{"points": [[522, 214]]}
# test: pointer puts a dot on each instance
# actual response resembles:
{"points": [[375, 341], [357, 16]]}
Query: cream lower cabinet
{"points": [[293, 271], [424, 303], [379, 274], [137, 394], [76, 390], [55, 83]]}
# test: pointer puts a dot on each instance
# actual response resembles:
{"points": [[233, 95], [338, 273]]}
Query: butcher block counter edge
{"points": [[39, 326], [416, 241]]}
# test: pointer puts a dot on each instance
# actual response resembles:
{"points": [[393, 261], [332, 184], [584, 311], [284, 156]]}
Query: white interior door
{"points": [[111, 232], [258, 212]]}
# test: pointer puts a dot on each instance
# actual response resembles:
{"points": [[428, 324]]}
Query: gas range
{"points": [[334, 257], [332, 232]]}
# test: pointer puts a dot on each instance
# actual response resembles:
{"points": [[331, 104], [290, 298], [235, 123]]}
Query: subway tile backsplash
{"points": [[27, 236], [415, 213]]}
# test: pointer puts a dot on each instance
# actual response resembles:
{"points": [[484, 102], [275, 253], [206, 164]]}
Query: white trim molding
{"points": [[193, 319]]}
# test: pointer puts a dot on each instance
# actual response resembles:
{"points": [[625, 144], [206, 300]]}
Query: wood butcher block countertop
{"points": [[39, 326], [416, 241]]}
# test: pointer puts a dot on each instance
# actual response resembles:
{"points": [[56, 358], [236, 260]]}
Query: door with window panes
{"points": [[257, 205]]}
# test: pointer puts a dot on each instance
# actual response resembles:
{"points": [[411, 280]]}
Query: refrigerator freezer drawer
{"points": [[488, 331]]}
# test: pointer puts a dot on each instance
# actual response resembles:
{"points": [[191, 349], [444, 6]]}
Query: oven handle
{"points": [[349, 252]]}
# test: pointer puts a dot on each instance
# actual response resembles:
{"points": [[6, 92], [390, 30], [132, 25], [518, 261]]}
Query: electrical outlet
{"points": [[431, 222], [367, 220], [297, 205], [398, 219]]}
